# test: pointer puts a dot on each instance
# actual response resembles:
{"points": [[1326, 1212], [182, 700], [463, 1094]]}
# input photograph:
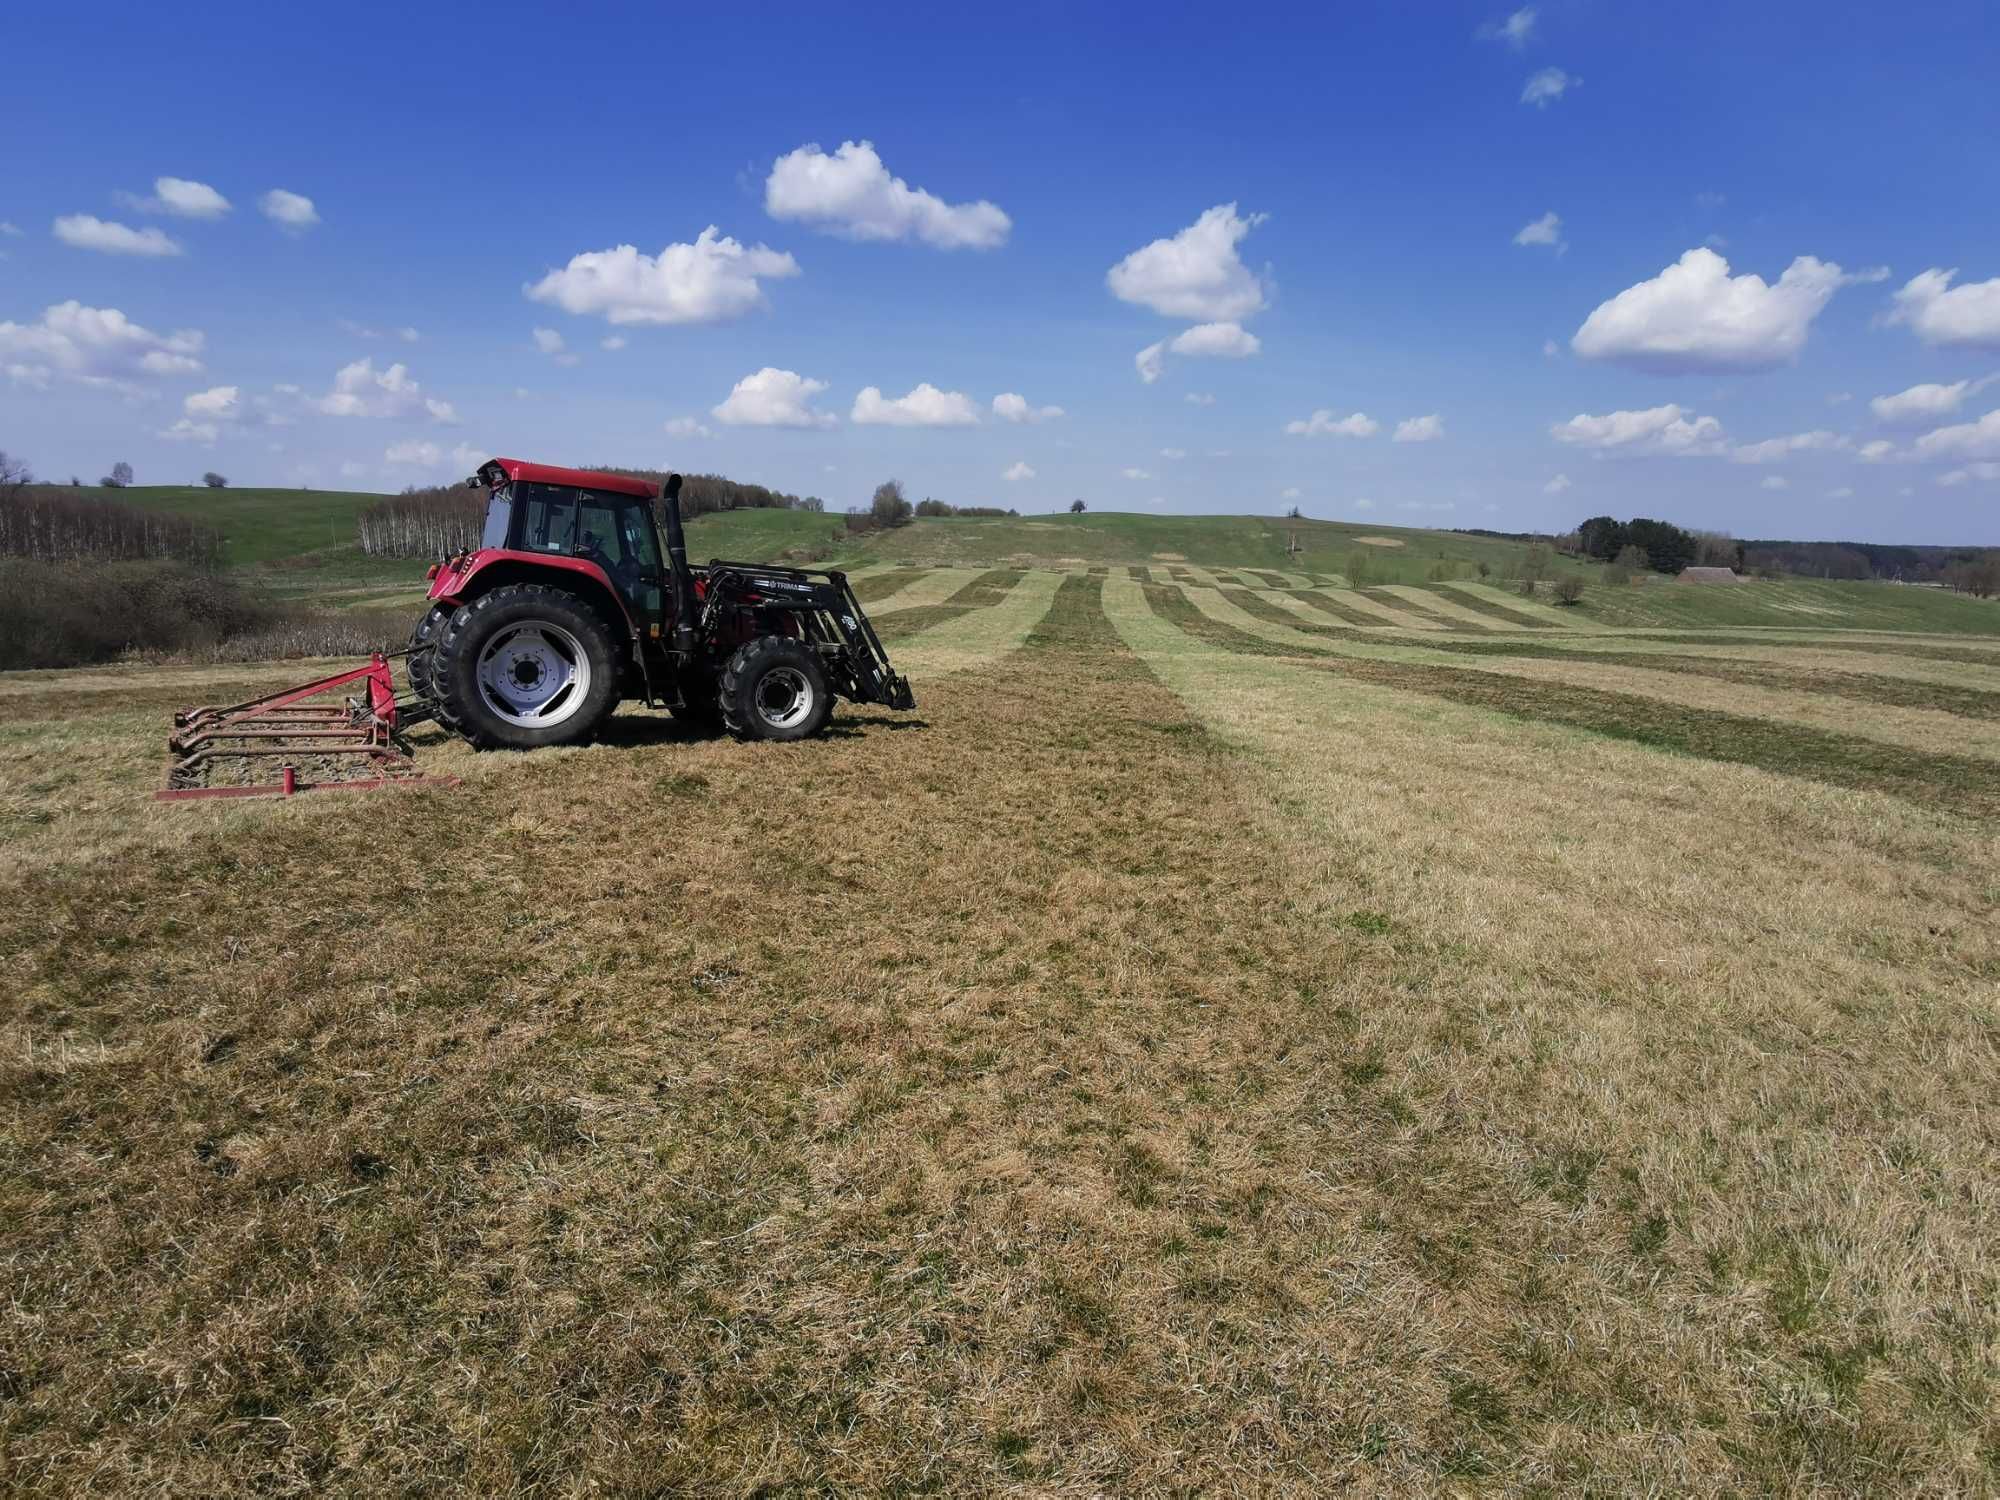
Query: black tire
{"points": [[423, 642], [775, 689], [573, 636]]}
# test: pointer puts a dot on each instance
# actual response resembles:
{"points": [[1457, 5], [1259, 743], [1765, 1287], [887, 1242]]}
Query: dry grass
{"points": [[1154, 1066]]}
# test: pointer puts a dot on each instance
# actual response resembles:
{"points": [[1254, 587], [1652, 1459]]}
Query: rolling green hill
{"points": [[300, 543], [257, 525], [1393, 554]]}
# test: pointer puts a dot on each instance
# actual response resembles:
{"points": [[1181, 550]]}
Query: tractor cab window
{"points": [[608, 529], [548, 521], [499, 510]]}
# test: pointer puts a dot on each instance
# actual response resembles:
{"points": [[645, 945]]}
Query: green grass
{"points": [[1255, 542], [258, 525], [1795, 603]]}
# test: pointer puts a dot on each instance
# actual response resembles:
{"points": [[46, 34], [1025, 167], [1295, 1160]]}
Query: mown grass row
{"points": [[880, 586], [1960, 784], [1479, 603], [983, 592]]}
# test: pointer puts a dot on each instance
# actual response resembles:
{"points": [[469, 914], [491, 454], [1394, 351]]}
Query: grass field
{"points": [[1219, 1043]]}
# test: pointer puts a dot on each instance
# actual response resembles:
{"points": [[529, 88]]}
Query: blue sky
{"points": [[1321, 205]]}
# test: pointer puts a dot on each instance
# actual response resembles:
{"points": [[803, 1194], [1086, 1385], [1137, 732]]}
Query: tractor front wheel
{"points": [[775, 689], [523, 667]]}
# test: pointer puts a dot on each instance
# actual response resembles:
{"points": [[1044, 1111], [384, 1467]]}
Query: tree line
{"points": [[60, 525]]}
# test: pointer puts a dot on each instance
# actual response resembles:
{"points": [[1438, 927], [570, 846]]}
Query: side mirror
{"points": [[472, 483]]}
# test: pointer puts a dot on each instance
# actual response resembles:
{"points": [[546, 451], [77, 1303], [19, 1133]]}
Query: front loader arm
{"points": [[828, 615]]}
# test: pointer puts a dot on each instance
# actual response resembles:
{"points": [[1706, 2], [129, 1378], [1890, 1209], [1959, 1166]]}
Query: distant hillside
{"points": [[1391, 554], [257, 525]]}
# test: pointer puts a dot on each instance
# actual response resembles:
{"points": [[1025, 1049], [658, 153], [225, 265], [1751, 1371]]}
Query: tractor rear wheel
{"points": [[523, 667], [775, 689], [423, 643]]}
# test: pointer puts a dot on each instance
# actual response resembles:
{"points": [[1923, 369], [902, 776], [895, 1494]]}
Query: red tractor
{"points": [[570, 603]]}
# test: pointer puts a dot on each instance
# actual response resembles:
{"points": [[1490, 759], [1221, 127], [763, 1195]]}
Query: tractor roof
{"points": [[583, 479]]}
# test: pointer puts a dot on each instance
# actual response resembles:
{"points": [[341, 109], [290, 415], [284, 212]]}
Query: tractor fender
{"points": [[467, 576]]}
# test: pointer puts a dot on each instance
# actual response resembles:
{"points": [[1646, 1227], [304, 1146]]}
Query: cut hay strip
{"points": [[1489, 608], [983, 592], [979, 637], [1431, 604], [1348, 606], [884, 584], [1964, 784]]}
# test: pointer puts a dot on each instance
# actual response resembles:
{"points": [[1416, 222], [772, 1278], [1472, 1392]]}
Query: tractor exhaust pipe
{"points": [[682, 582]]}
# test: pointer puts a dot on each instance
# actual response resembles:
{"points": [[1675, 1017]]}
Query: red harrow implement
{"points": [[348, 744]]}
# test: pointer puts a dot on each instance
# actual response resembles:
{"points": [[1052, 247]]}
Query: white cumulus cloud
{"points": [[1151, 361], [361, 390], [1514, 31], [925, 406], [1979, 439], [1966, 475], [86, 232], [1011, 406], [686, 427], [1657, 430], [1926, 403], [1547, 230], [852, 194], [773, 398], [1695, 316], [1772, 450], [1324, 423], [1216, 341], [186, 430], [218, 403], [1196, 273], [96, 346], [712, 280], [1545, 87], [288, 210], [1420, 429], [1877, 451], [182, 198], [1961, 317], [1556, 485], [1018, 471]]}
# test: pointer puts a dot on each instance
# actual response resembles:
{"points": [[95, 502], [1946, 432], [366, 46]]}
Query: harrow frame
{"points": [[287, 723]]}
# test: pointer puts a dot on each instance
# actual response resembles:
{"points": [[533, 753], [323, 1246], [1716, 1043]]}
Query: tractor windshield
{"points": [[499, 508]]}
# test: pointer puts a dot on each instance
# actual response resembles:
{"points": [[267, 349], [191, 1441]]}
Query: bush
{"points": [[71, 614], [1569, 590], [215, 481], [1527, 588], [1076, 507], [1359, 569], [889, 507]]}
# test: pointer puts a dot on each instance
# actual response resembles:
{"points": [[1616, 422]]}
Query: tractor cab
{"points": [[602, 520]]}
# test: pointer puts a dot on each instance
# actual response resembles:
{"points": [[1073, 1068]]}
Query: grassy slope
{"points": [[258, 525], [1205, 541]]}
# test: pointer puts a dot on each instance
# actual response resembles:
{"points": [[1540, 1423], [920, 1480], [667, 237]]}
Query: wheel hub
{"points": [[534, 674], [784, 697]]}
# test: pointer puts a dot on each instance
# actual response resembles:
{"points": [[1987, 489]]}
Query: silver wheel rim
{"points": [[534, 675], [784, 697]]}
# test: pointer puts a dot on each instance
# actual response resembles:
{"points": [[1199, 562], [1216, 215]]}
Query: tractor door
{"points": [[616, 533]]}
